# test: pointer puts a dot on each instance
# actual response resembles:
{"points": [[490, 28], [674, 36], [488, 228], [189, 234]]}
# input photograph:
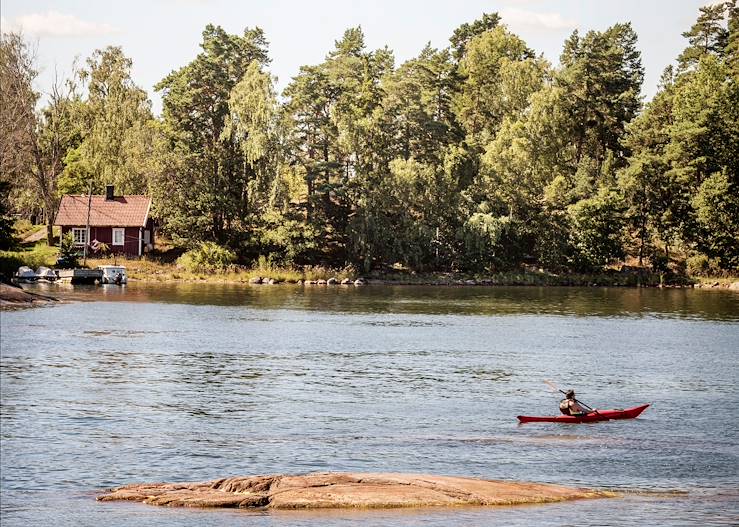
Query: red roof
{"points": [[122, 211]]}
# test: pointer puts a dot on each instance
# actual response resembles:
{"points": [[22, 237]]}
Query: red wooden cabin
{"points": [[121, 222]]}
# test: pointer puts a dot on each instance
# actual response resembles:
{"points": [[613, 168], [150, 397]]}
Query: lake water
{"points": [[194, 382]]}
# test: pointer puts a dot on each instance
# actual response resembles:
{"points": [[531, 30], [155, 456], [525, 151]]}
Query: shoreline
{"points": [[15, 297], [153, 271]]}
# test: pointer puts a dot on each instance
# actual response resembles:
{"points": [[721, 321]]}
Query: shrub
{"points": [[701, 265], [597, 230], [68, 251], [207, 257]]}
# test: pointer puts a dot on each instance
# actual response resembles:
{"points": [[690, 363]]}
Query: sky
{"points": [[163, 35]]}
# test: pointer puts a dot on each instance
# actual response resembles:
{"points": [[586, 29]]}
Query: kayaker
{"points": [[569, 406]]}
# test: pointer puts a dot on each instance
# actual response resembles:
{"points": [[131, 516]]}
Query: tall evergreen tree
{"points": [[707, 36], [204, 200]]}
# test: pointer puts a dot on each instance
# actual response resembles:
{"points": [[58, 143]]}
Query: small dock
{"points": [[80, 276]]}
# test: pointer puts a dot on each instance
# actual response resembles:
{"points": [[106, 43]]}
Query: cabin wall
{"points": [[104, 235]]}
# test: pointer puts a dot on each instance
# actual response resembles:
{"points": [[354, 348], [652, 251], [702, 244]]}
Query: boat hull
{"points": [[600, 415]]}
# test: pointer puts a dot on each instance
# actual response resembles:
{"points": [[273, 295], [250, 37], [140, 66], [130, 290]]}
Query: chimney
{"points": [[109, 194]]}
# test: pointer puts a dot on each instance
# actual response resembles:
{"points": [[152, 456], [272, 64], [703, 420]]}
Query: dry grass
{"points": [[155, 271], [34, 257], [723, 282]]}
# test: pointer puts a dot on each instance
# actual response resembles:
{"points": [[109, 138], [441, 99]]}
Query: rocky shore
{"points": [[13, 297], [346, 490]]}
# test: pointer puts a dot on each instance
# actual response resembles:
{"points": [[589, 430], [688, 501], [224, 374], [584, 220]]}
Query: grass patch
{"points": [[24, 228], [155, 270], [40, 254], [724, 281]]}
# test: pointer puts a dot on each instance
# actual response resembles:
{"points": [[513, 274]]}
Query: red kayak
{"points": [[600, 415]]}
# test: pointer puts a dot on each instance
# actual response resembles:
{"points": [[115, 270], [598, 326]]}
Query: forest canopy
{"points": [[479, 157]]}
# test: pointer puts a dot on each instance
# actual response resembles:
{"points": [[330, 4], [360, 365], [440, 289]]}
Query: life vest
{"points": [[564, 406]]}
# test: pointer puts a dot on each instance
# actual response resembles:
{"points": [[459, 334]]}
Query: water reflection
{"points": [[687, 303]]}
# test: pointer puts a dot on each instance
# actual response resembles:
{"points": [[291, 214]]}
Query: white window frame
{"points": [[122, 232], [81, 236]]}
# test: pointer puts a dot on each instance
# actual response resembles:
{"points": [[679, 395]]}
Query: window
{"points": [[80, 236], [118, 236]]}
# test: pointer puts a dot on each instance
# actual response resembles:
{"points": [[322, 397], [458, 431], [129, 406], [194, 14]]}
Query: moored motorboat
{"points": [[599, 415], [113, 274], [44, 273], [25, 274]]}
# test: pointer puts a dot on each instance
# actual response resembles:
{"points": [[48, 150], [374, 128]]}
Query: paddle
{"points": [[556, 388]]}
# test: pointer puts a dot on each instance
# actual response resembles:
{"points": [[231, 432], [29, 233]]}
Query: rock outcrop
{"points": [[11, 296], [346, 490]]}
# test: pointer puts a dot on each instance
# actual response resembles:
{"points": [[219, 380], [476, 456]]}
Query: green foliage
{"points": [[499, 76], [602, 76], [466, 32], [485, 236], [597, 230], [76, 176], [701, 265], [68, 250], [116, 123], [707, 36], [717, 212], [10, 261], [7, 239], [477, 157], [206, 183], [34, 257], [207, 257], [287, 239]]}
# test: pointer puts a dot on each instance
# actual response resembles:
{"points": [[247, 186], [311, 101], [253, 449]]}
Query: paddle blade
{"points": [[551, 385]]}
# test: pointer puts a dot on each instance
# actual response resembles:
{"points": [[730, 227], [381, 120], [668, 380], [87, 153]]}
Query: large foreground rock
{"points": [[344, 490]]}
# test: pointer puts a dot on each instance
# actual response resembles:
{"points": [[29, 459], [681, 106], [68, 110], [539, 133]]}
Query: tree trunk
{"points": [[50, 231], [642, 236], [309, 203]]}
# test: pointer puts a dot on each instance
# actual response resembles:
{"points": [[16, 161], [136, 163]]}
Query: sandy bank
{"points": [[346, 490]]}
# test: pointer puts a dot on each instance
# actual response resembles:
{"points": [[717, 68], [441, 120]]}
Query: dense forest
{"points": [[478, 157]]}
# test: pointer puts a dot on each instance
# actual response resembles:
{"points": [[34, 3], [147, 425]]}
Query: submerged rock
{"points": [[329, 490]]}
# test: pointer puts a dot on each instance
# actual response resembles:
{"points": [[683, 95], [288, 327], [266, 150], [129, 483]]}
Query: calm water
{"points": [[191, 382]]}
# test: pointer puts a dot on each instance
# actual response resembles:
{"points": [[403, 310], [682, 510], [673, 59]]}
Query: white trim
{"points": [[122, 231], [146, 218], [141, 239], [82, 230]]}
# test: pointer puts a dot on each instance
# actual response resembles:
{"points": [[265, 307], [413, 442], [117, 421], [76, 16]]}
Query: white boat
{"points": [[25, 274], [44, 273], [113, 274]]}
